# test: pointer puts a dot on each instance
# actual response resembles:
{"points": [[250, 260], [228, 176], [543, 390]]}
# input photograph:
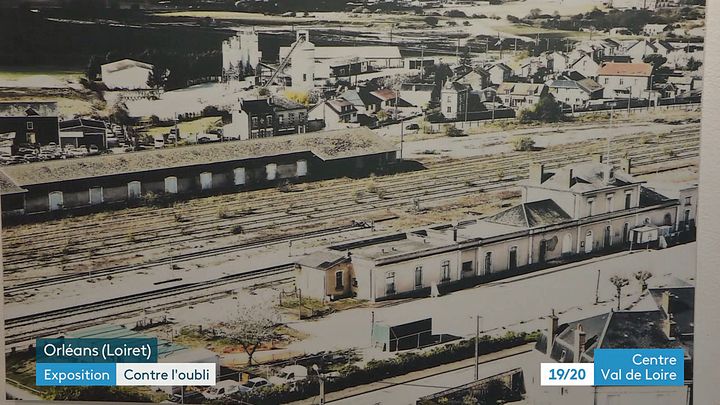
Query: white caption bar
{"points": [[564, 374], [159, 374]]}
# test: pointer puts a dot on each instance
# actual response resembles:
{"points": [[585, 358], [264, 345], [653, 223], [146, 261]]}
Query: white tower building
{"points": [[302, 68], [239, 52]]}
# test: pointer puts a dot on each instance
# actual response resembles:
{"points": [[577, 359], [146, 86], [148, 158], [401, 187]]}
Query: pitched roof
{"points": [[322, 259], [256, 107], [360, 97], [502, 66], [82, 123], [125, 64], [384, 94], [626, 69], [523, 89], [532, 214], [338, 104], [327, 145]]}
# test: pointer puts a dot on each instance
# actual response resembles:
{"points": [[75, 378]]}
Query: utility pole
{"points": [[322, 390], [597, 288], [629, 98], [477, 347]]}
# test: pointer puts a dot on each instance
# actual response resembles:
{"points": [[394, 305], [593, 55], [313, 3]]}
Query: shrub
{"points": [[453, 131], [523, 143]]}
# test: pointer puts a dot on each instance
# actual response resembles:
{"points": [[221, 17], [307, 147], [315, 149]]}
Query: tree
{"points": [[535, 13], [119, 114], [93, 69], [545, 110], [453, 131], [250, 327], [619, 283], [693, 64], [158, 77], [523, 143], [99, 393], [302, 97], [465, 58], [642, 277]]}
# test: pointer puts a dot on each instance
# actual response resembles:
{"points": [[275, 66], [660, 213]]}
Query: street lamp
{"points": [[477, 346], [322, 383]]}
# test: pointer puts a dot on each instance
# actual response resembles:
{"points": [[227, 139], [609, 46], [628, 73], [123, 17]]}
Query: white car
{"points": [[253, 384], [289, 374], [221, 389]]}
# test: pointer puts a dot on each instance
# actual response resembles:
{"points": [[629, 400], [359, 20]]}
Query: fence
{"points": [[440, 126]]}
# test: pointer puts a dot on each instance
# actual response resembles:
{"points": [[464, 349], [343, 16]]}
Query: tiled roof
{"points": [[327, 145], [532, 214], [625, 69]]}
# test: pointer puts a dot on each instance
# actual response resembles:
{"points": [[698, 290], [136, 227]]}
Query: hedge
{"points": [[377, 370]]}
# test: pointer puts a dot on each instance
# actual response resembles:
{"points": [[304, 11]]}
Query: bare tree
{"points": [[251, 326], [619, 283], [642, 277]]}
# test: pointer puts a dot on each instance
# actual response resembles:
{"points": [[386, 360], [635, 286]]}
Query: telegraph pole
{"points": [[477, 347]]}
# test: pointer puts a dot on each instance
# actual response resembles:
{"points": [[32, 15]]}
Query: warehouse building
{"points": [[192, 170]]}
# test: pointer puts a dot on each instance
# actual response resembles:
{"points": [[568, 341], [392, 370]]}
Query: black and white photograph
{"points": [[371, 202]]}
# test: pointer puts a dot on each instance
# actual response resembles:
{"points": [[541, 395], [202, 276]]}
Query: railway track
{"points": [[48, 323], [442, 180]]}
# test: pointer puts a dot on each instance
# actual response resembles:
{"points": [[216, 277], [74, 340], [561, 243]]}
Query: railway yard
{"points": [[62, 275]]}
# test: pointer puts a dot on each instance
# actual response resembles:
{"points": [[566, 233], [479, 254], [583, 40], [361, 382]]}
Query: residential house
{"points": [[667, 323], [84, 132], [28, 125], [364, 102], [684, 84], [454, 100], [126, 74], [625, 80], [477, 79], [653, 30], [586, 64], [416, 63], [290, 116], [387, 97], [521, 95], [499, 73], [267, 117], [575, 93], [558, 61], [336, 113]]}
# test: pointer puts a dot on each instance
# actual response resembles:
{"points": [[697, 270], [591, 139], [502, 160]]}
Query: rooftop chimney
{"points": [[668, 326], [607, 173], [455, 229], [597, 157], [665, 302], [552, 331], [536, 173], [580, 339], [626, 165]]}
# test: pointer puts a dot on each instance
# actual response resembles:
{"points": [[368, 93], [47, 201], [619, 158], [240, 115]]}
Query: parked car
{"points": [[221, 389], [412, 127], [253, 384], [289, 374], [189, 397]]}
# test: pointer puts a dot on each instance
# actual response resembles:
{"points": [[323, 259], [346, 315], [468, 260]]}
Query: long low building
{"points": [[567, 214], [200, 169]]}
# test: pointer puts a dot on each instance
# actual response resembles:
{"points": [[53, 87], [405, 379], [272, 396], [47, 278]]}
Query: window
{"points": [[281, 119], [291, 117], [591, 203], [55, 200], [688, 200], [301, 169], [390, 283], [488, 262], [239, 176], [134, 190], [96, 195], [467, 266], [449, 109], [254, 122], [171, 185], [29, 125], [513, 258], [206, 180], [268, 119], [304, 77], [339, 280], [609, 198], [622, 81], [449, 99], [446, 270], [628, 200], [418, 277], [271, 171]]}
